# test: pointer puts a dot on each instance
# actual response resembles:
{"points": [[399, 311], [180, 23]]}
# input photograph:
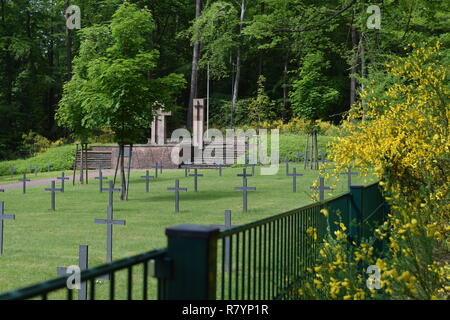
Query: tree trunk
{"points": [[238, 63], [68, 44], [285, 86], [354, 67], [81, 163], [194, 75]]}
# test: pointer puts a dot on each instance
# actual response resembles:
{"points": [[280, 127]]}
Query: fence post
{"points": [[192, 250], [356, 212]]}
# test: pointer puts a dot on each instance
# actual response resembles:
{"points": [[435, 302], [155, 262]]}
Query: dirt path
{"points": [[47, 181]]}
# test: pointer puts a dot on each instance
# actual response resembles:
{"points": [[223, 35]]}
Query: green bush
{"points": [[61, 158], [291, 144]]}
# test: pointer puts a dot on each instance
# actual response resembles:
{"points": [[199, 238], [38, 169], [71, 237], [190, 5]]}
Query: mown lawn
{"points": [[39, 240]]}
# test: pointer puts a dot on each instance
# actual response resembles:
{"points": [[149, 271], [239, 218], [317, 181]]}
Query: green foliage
{"points": [[261, 108], [311, 94], [112, 87], [61, 158], [216, 30]]}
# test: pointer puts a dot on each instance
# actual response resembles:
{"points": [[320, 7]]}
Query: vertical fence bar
{"points": [[244, 272], [130, 283], [145, 284], [112, 286]]}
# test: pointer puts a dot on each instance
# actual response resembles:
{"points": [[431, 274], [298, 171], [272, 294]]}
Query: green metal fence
{"points": [[265, 259]]}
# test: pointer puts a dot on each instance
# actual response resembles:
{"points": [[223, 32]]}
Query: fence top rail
{"points": [[252, 225], [46, 287]]}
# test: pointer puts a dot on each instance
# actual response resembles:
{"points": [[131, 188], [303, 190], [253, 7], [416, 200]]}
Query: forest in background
{"points": [[268, 59]]}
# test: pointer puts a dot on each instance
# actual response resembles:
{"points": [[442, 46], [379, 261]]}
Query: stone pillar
{"points": [[198, 123], [159, 127]]}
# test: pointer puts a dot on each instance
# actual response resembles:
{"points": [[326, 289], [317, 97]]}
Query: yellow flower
{"points": [[324, 212]]}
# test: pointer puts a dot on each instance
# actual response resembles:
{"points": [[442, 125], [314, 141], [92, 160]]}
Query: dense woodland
{"points": [[266, 59]]}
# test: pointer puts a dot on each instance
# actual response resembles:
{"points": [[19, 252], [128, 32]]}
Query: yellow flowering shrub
{"points": [[402, 138]]}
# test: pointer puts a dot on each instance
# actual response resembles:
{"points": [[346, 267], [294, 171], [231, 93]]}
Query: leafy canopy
{"points": [[112, 85]]}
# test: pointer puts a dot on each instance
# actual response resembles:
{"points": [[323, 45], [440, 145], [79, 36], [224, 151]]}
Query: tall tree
{"points": [[111, 85], [195, 68]]}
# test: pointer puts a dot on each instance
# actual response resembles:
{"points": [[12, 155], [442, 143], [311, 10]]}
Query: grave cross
{"points": [[252, 163], [161, 166], [24, 183], [111, 190], [219, 167], [287, 165], [156, 167], [49, 165], [63, 178], [244, 174], [196, 175], [298, 155], [109, 221], [147, 178], [294, 176], [223, 227], [53, 190], [3, 216], [321, 189], [177, 190], [187, 168], [349, 174], [245, 190], [12, 171], [100, 178], [83, 264]]}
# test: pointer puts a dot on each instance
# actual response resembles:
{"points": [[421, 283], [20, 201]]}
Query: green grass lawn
{"points": [[39, 240]]}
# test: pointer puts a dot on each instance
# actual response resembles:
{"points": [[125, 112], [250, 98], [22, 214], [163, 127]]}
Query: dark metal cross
{"points": [[187, 168], [147, 178], [3, 216], [252, 163], [245, 190], [177, 190], [111, 190], [63, 178], [161, 166], [109, 221], [156, 167], [294, 176], [83, 264], [53, 190], [223, 227], [24, 183], [195, 175], [100, 178], [349, 174], [321, 189], [287, 165], [219, 167], [244, 174]]}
